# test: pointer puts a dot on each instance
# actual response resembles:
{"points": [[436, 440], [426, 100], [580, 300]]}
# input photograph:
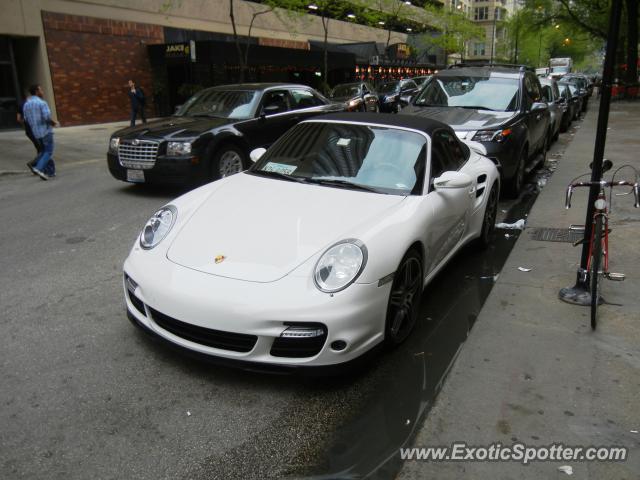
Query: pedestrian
{"points": [[136, 95], [38, 115], [28, 132]]}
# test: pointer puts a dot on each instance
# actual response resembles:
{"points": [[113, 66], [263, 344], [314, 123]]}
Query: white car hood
{"points": [[265, 227]]}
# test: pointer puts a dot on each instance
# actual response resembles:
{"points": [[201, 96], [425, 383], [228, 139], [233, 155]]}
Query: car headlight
{"points": [[340, 265], [354, 103], [114, 143], [158, 226], [492, 135], [390, 98], [178, 148]]}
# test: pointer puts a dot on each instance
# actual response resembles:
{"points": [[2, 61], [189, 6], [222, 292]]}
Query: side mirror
{"points": [[539, 107], [256, 154], [178, 107], [561, 100], [452, 179]]}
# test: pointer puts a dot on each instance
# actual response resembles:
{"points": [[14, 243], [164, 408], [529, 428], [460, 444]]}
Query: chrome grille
{"points": [[139, 154]]}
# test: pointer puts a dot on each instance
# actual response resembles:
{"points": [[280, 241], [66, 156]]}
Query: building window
{"points": [[481, 13], [478, 49]]}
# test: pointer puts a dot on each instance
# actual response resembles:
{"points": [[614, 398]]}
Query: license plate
{"points": [[136, 176]]}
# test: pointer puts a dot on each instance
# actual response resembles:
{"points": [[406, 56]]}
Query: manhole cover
{"points": [[555, 235]]}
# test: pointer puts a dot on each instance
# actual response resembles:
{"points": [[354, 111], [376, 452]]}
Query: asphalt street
{"points": [[86, 395]]}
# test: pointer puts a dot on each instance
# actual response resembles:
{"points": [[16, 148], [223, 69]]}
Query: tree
{"points": [[592, 17], [457, 30]]}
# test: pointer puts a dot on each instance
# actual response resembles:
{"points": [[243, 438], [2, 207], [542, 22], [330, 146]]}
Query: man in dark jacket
{"points": [[136, 95]]}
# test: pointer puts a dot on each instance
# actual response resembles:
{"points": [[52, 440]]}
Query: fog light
{"points": [[338, 345], [302, 332]]}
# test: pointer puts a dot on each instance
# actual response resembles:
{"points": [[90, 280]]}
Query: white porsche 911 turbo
{"points": [[321, 250]]}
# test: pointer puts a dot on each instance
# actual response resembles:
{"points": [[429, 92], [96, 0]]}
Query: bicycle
{"points": [[598, 258]]}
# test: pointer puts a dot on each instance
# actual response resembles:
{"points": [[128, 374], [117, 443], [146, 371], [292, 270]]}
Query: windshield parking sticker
{"points": [[279, 168]]}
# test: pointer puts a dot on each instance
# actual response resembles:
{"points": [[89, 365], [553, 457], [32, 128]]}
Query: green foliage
{"points": [[533, 35], [456, 30]]}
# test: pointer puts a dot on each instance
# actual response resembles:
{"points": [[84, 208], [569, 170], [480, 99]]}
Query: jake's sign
{"points": [[181, 50]]}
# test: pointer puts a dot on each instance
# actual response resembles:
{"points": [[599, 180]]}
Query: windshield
{"points": [[221, 103], [572, 88], [390, 87], [346, 90], [359, 157], [490, 93]]}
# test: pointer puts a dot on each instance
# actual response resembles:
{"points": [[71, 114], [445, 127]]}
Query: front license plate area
{"points": [[136, 176]]}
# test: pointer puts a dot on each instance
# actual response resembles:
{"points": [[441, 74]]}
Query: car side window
{"points": [[446, 153], [547, 94], [275, 101], [303, 98], [532, 87]]}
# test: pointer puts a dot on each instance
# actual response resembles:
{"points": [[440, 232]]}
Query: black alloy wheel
{"points": [[489, 221], [404, 299], [514, 185]]}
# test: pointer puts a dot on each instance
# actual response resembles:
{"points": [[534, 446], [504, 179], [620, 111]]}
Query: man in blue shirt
{"points": [[38, 116]]}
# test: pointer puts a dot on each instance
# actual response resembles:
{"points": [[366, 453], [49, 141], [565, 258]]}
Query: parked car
{"points": [[583, 81], [393, 96], [578, 98], [557, 105], [422, 80], [578, 86], [211, 135], [573, 106], [359, 96], [500, 107], [321, 250]]}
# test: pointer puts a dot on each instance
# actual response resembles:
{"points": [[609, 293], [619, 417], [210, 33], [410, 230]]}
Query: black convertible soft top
{"points": [[426, 125]]}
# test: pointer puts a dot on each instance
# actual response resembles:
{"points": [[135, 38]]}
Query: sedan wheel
{"points": [[229, 161], [404, 299]]}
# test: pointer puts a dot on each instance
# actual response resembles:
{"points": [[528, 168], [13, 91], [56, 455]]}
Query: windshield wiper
{"points": [[343, 183], [209, 115], [279, 175], [475, 107]]}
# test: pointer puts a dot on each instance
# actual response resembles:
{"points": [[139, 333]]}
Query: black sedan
{"points": [[395, 95], [211, 135], [357, 97], [572, 103]]}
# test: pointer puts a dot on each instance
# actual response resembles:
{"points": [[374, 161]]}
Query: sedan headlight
{"points": [[390, 98], [492, 135], [114, 143], [158, 226], [340, 265], [354, 103], [178, 148]]}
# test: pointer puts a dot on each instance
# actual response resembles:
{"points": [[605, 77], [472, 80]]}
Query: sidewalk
{"points": [[532, 370], [73, 145]]}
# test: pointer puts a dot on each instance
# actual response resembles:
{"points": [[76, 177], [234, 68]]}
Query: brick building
{"points": [[83, 52]]}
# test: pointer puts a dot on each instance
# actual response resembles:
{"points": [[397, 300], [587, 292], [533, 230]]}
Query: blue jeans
{"points": [[44, 162]]}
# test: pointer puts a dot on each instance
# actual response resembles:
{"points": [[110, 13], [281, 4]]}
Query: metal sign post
{"points": [[579, 294]]}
